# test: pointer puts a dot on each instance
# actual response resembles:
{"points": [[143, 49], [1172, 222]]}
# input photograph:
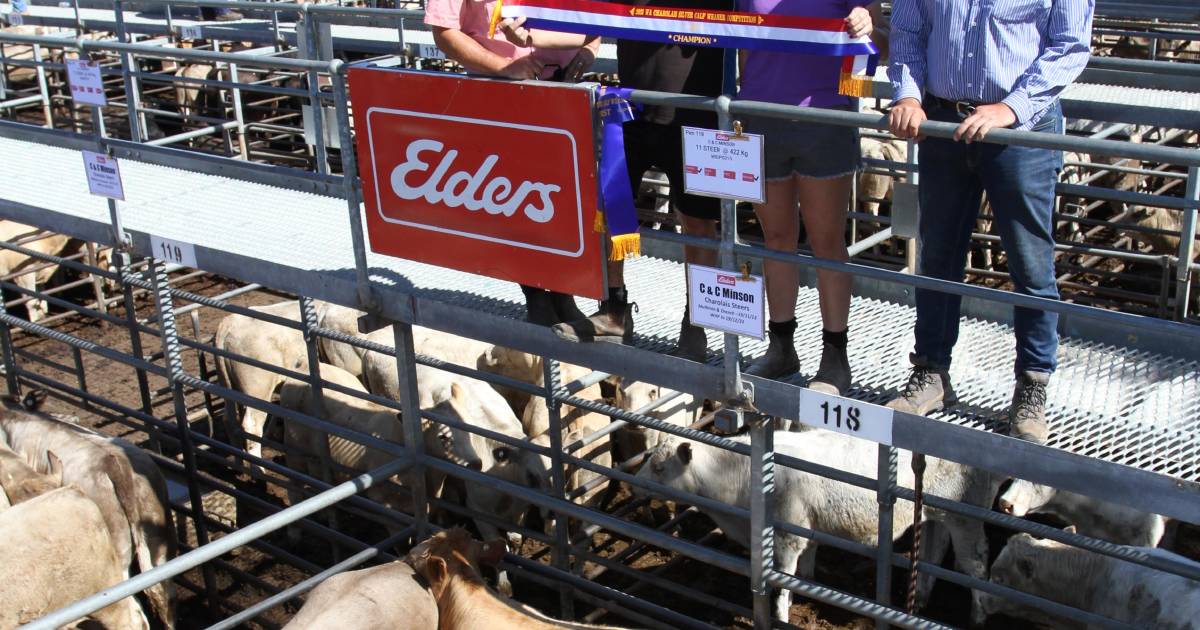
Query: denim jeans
{"points": [[1019, 182]]}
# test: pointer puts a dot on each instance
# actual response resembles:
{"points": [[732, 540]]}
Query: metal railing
{"points": [[1142, 489]]}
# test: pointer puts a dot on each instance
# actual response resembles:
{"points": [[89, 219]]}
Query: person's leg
{"points": [[950, 193], [823, 206], [697, 217], [780, 222], [613, 320], [1020, 184]]}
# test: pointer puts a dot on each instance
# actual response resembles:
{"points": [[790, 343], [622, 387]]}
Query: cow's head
{"points": [[1023, 497], [453, 443], [671, 464], [1033, 565], [453, 553]]}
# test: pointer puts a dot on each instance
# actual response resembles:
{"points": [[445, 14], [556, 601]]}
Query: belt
{"points": [[962, 108]]}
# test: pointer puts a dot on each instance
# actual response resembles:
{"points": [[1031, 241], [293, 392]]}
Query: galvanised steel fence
{"points": [[754, 400]]}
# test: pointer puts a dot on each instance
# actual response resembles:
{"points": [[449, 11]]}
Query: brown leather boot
{"points": [[613, 322], [693, 342]]}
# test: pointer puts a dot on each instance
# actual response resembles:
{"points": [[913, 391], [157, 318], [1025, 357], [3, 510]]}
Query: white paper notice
{"points": [[103, 175], [726, 301], [720, 164], [845, 415], [177, 252], [87, 87]]}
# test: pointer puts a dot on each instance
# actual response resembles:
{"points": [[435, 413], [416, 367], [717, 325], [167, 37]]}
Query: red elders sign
{"points": [[484, 176]]}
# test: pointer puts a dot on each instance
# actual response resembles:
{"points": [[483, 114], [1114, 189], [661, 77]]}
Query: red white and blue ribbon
{"points": [[696, 27]]}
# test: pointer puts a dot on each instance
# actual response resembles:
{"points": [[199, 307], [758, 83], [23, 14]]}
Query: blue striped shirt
{"points": [[1018, 52]]}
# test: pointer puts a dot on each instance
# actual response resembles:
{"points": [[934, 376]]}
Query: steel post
{"points": [[132, 97], [308, 321], [1187, 245], [43, 87], [350, 188], [10, 359], [123, 263], [172, 357], [561, 552], [885, 495], [410, 418], [736, 391], [762, 519], [238, 116]]}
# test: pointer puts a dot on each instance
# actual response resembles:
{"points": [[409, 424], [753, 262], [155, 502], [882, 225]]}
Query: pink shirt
{"points": [[791, 78], [473, 16]]}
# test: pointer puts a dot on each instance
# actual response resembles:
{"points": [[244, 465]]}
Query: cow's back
{"points": [[57, 550], [386, 597]]}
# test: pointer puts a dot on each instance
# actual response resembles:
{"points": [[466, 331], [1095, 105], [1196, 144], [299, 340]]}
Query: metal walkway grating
{"points": [[1109, 402]]}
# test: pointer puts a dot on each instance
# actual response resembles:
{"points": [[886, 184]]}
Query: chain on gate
{"points": [[918, 468]]}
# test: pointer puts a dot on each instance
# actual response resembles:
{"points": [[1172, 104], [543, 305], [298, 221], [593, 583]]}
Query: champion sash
{"points": [[694, 27]]}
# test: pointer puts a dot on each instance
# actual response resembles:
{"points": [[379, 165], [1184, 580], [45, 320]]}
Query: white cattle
{"points": [[474, 403], [576, 423], [386, 597], [57, 550], [119, 478], [1093, 517], [631, 440], [873, 187], [460, 351], [14, 262], [20, 482], [1129, 593], [824, 504], [314, 452], [262, 341]]}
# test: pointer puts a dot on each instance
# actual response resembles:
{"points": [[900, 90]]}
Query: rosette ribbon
{"points": [[616, 194]]}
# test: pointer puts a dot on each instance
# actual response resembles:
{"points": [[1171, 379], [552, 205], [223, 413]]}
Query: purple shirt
{"points": [[790, 78]]}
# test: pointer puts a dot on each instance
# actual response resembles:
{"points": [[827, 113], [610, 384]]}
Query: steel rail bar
{"points": [[853, 603], [1151, 153], [210, 445], [560, 555], [216, 548], [713, 440], [299, 589], [78, 309], [194, 133], [92, 45]]}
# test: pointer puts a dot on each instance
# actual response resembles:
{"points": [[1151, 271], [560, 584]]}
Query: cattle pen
{"points": [[263, 193]]}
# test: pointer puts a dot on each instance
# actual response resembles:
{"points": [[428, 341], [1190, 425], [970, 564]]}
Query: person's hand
{"points": [[524, 68], [905, 118], [858, 23], [515, 32], [984, 119], [579, 64]]}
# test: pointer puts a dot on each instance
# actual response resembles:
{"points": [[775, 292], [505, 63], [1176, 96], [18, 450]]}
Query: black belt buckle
{"points": [[964, 109]]}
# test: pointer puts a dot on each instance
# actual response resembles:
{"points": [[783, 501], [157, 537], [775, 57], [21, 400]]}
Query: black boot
{"points": [[693, 342], [780, 360], [833, 375], [539, 309]]}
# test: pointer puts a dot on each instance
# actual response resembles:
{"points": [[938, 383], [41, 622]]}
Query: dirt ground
{"points": [[254, 569]]}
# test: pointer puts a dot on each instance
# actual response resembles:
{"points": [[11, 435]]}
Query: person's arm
{"points": [[463, 48], [880, 29], [514, 31], [1068, 36], [909, 37]]}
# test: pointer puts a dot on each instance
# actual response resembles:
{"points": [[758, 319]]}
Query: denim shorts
{"points": [[806, 149]]}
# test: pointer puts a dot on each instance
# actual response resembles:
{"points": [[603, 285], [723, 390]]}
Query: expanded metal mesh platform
{"points": [[1109, 402]]}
